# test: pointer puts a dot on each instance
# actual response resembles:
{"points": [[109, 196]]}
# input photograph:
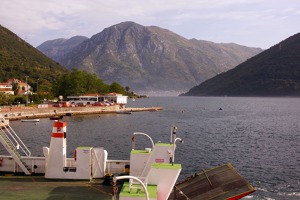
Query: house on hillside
{"points": [[7, 87]]}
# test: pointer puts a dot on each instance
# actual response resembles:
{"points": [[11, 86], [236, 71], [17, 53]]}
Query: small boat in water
{"points": [[123, 112], [56, 117], [30, 120]]}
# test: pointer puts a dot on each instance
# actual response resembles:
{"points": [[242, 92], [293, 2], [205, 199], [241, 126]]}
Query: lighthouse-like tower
{"points": [[56, 154], [58, 166]]}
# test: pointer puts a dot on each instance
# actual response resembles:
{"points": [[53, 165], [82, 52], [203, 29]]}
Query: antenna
{"points": [[173, 134]]}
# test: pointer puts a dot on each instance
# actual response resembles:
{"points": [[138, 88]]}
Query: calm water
{"points": [[259, 136]]}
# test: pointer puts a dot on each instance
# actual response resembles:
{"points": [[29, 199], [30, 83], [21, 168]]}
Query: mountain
{"points": [[153, 59], [19, 59], [274, 72], [59, 47]]}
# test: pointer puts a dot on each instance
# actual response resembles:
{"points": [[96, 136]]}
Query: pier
{"points": [[33, 113]]}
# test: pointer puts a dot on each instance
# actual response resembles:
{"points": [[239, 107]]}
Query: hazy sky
{"points": [[253, 23]]}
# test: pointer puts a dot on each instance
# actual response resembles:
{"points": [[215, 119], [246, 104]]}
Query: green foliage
{"points": [[19, 99], [19, 59], [5, 99], [274, 72], [80, 82], [127, 88], [116, 87], [15, 88]]}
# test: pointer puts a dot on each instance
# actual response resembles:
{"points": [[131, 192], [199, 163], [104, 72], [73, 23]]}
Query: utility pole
{"points": [[26, 91], [37, 86]]}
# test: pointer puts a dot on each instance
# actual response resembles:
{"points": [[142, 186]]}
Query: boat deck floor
{"points": [[39, 188], [222, 182]]}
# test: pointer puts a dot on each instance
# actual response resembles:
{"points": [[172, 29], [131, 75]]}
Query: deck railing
{"points": [[11, 136]]}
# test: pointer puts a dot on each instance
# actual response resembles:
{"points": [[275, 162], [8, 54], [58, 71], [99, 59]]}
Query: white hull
{"points": [[37, 165], [30, 120]]}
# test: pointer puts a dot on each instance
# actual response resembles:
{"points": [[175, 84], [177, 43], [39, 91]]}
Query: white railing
{"points": [[12, 137], [144, 134], [133, 178]]}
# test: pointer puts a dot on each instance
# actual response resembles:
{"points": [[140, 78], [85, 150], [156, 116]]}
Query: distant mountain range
{"points": [[274, 72], [56, 49], [19, 59], [147, 58]]}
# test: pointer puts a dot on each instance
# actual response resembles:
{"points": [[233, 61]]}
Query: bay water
{"points": [[260, 137]]}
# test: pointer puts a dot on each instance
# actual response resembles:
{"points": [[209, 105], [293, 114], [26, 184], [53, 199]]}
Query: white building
{"points": [[6, 88], [116, 98]]}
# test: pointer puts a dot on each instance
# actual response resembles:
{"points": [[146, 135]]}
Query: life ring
{"points": [[75, 154]]}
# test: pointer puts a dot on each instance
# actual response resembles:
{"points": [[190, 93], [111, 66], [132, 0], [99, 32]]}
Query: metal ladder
{"points": [[14, 145]]}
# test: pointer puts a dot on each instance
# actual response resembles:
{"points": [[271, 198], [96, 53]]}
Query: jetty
{"points": [[34, 113]]}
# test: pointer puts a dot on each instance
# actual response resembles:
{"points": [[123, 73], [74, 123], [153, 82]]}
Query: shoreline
{"points": [[35, 113]]}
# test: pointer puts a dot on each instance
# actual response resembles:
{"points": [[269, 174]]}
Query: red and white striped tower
{"points": [[56, 160]]}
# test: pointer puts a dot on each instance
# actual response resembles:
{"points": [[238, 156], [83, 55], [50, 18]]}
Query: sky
{"points": [[252, 23]]}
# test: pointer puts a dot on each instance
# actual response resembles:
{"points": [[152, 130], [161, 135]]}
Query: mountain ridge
{"points": [[61, 46], [19, 59], [274, 72], [152, 58]]}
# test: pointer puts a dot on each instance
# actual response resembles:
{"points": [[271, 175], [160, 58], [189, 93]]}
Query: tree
{"points": [[127, 88], [15, 88], [116, 87], [20, 99], [4, 99], [79, 82]]}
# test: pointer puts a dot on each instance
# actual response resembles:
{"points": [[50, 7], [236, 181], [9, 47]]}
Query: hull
{"points": [[30, 120], [37, 165], [55, 117]]}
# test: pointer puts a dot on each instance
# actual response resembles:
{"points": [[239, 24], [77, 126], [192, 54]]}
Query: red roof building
{"points": [[7, 87]]}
